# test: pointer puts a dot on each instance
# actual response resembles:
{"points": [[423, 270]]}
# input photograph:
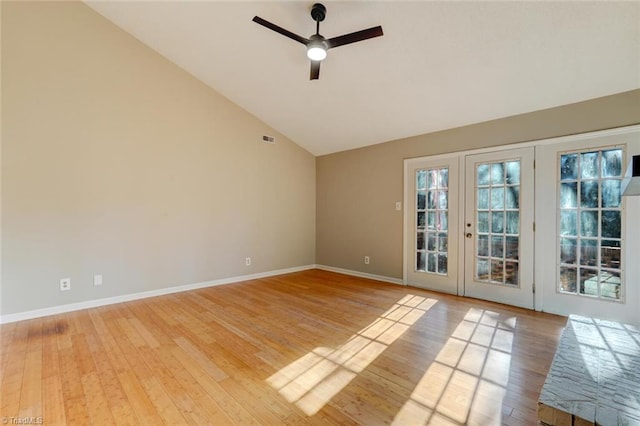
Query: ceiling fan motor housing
{"points": [[318, 12]]}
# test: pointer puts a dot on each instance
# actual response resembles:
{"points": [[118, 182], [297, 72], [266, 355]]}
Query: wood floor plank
{"points": [[31, 389], [12, 377], [307, 348]]}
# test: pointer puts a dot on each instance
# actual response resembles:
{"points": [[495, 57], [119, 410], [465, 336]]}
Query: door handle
{"points": [[469, 235]]}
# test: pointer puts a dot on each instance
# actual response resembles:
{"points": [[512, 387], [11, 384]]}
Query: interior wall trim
{"points": [[61, 309], [361, 274]]}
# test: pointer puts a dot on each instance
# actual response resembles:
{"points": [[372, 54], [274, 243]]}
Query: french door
{"points": [[432, 215], [471, 230], [498, 227]]}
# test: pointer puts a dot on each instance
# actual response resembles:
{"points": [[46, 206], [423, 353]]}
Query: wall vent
{"points": [[268, 139]]}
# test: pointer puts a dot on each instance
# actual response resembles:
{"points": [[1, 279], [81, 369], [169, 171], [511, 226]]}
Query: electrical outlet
{"points": [[398, 205], [97, 280], [366, 260], [65, 284], [247, 261]]}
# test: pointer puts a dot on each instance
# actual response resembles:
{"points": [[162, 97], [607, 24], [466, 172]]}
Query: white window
{"points": [[590, 223]]}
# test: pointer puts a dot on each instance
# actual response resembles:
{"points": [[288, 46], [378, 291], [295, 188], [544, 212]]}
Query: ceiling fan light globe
{"points": [[316, 53]]}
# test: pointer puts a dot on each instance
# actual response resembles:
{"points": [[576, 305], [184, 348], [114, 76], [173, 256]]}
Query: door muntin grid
{"points": [[431, 219], [497, 215], [590, 224]]}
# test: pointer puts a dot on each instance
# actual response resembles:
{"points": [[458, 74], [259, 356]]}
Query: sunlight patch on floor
{"points": [[312, 380], [467, 382]]}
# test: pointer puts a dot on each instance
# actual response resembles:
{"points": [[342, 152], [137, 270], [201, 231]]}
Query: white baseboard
{"points": [[361, 274], [54, 310]]}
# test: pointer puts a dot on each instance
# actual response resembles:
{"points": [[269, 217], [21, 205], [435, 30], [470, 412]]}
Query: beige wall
{"points": [[357, 190], [117, 162]]}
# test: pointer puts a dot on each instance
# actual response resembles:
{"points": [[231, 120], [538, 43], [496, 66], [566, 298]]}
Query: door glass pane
{"points": [[568, 167], [432, 214], [589, 165], [568, 250], [568, 279], [498, 222], [589, 194], [590, 224], [513, 172], [612, 163], [568, 195], [611, 193]]}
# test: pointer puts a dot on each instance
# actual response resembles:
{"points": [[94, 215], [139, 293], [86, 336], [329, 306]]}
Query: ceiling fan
{"points": [[317, 45]]}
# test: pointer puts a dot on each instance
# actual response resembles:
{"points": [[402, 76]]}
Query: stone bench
{"points": [[595, 376]]}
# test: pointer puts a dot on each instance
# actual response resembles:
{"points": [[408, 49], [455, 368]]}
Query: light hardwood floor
{"points": [[313, 347]]}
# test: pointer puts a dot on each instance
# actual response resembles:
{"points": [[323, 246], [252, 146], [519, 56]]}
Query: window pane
{"points": [[443, 178], [612, 163], [420, 261], [497, 174], [431, 220], [568, 279], [421, 220], [483, 245], [568, 222], [513, 172], [589, 282], [431, 262], [442, 242], [422, 196], [589, 252], [483, 222], [497, 246], [483, 199], [483, 174], [442, 200], [568, 195], [421, 179], [512, 197], [589, 165], [497, 222], [511, 273], [610, 193], [513, 222], [610, 254], [589, 194], [431, 201], [431, 241], [568, 250], [589, 223], [443, 223], [420, 241], [611, 224], [497, 198], [497, 270], [432, 179], [568, 167], [442, 263], [482, 270], [512, 248], [610, 284]]}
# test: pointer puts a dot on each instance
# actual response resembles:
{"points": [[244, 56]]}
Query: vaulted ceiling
{"points": [[439, 65]]}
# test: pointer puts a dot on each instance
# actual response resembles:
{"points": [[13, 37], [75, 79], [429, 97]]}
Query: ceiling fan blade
{"points": [[280, 30], [315, 70], [353, 37]]}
